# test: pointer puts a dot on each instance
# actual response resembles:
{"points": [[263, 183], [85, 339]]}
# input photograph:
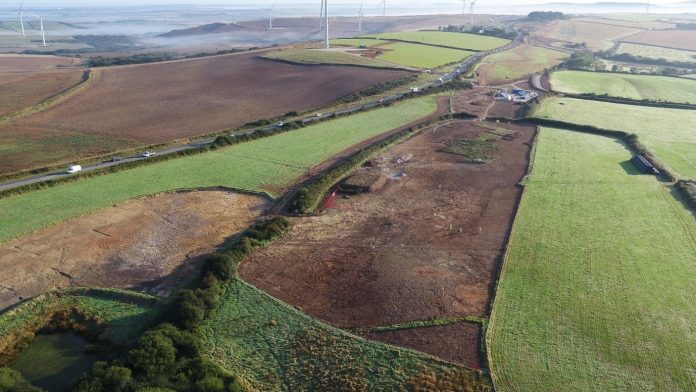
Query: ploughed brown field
{"points": [[150, 244], [425, 245], [157, 103], [676, 39], [28, 80]]}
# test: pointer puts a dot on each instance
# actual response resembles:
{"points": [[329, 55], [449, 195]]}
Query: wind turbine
{"points": [[321, 15], [384, 7], [471, 9], [463, 7], [360, 16], [43, 33], [327, 45], [647, 8], [270, 15], [21, 17]]}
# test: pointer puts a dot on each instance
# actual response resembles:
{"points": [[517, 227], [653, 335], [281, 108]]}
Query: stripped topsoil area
{"points": [[426, 245], [149, 244]]}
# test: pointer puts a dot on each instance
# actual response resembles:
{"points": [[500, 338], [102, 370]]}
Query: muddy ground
{"points": [[426, 245], [455, 342], [150, 244]]}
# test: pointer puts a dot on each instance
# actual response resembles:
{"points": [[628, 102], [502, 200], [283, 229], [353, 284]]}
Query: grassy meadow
{"points": [[454, 40], [262, 165], [518, 63], [356, 42], [640, 87], [656, 52], [421, 56], [668, 132], [278, 348], [597, 290], [319, 56]]}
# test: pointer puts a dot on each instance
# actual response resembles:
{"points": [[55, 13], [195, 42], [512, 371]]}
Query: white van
{"points": [[72, 169]]}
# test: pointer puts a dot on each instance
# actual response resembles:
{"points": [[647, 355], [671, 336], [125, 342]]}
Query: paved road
{"points": [[462, 68]]}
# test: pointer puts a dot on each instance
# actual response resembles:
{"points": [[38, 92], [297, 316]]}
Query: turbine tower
{"points": [[384, 7], [647, 8], [321, 15], [270, 15], [43, 33], [21, 17], [327, 45], [360, 16], [463, 7], [471, 9]]}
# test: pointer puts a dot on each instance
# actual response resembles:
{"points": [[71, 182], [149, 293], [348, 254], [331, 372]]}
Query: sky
{"points": [[62, 3]]}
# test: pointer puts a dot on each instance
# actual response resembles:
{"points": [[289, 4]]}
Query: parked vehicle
{"points": [[116, 159], [72, 169], [148, 154]]}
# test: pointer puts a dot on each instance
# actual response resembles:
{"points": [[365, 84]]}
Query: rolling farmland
{"points": [[261, 165], [597, 36], [455, 40], [421, 56], [656, 52], [159, 103], [579, 309], [675, 39], [518, 63], [639, 87], [669, 132], [28, 80]]}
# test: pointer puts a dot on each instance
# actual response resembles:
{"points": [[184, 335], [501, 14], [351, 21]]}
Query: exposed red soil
{"points": [[150, 244], [28, 80], [158, 103], [457, 343], [425, 246], [675, 39], [475, 101]]}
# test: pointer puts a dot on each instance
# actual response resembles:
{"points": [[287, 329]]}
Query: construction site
{"points": [[415, 235]]}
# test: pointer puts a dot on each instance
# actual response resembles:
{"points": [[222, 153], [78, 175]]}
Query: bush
{"points": [[13, 381]]}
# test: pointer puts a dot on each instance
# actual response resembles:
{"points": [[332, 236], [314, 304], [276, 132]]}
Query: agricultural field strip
{"points": [[657, 52], [284, 349], [422, 56], [519, 62], [228, 167], [470, 42], [581, 303], [637, 87], [668, 132]]}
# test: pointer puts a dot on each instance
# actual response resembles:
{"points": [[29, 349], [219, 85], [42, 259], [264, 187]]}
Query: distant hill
{"points": [[212, 28]]}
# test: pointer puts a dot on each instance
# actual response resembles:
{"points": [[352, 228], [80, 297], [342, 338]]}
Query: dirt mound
{"points": [[150, 244]]}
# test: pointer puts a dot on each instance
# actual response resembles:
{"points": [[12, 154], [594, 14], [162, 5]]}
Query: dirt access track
{"points": [[425, 246], [28, 80], [149, 244], [158, 103]]}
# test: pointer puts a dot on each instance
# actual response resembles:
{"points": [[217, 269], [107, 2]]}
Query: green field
{"points": [[640, 87], [421, 56], [597, 290], [318, 56], [668, 132], [454, 40], [655, 52], [278, 348], [356, 42], [261, 166], [518, 63]]}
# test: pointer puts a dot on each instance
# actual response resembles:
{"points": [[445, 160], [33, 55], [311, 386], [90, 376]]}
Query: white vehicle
{"points": [[72, 169], [148, 154], [280, 124], [415, 89], [441, 80], [319, 114]]}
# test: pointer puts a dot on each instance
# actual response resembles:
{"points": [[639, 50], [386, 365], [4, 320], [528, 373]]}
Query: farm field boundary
{"points": [[257, 167], [576, 310], [88, 78]]}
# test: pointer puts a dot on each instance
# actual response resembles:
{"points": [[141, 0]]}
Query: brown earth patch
{"points": [[675, 39], [150, 244], [29, 80], [457, 343], [475, 101], [426, 245]]}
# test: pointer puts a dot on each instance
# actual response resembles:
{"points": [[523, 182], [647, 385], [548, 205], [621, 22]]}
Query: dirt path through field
{"points": [[427, 245], [150, 244]]}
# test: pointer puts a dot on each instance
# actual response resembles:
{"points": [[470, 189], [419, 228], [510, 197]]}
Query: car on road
{"points": [[318, 114], [148, 154], [72, 169], [116, 159], [415, 89], [280, 124]]}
